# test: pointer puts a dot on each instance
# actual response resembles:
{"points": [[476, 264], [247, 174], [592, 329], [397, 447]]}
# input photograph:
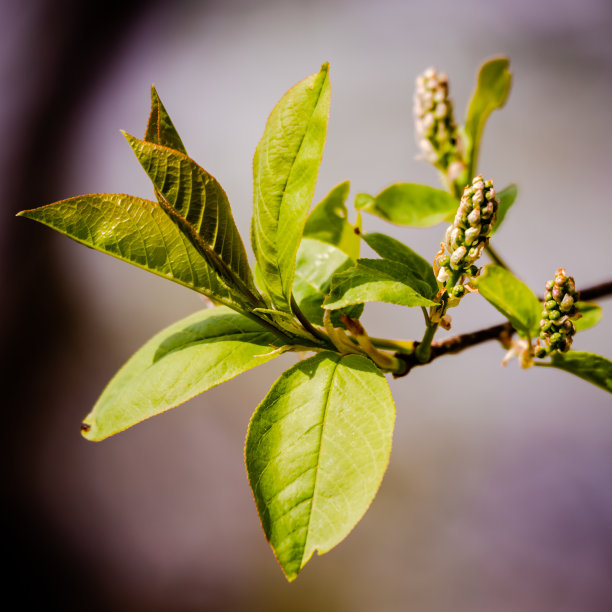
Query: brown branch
{"points": [[502, 332]]}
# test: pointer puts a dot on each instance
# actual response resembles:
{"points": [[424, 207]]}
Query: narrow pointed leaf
{"points": [[506, 198], [588, 366], [409, 204], [378, 280], [513, 298], [394, 250], [137, 231], [285, 169], [316, 451], [328, 222], [185, 359], [160, 129], [198, 205], [492, 89]]}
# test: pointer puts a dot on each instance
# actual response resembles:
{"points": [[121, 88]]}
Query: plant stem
{"points": [[406, 347], [423, 350], [459, 343], [306, 324]]}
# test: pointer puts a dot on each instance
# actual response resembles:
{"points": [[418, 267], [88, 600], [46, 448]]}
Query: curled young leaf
{"points": [[160, 129], [492, 89]]}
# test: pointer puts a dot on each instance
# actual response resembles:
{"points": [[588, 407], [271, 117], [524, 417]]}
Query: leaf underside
{"points": [[316, 451], [160, 129], [195, 201], [185, 359]]}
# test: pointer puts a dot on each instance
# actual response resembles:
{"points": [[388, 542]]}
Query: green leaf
{"points": [[394, 250], [377, 280], [316, 264], [285, 169], [185, 359], [137, 231], [316, 451], [492, 89], [328, 222], [409, 204], [195, 201], [591, 315], [506, 198], [513, 298], [588, 366], [160, 129]]}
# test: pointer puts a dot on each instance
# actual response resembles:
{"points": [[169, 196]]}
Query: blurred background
{"points": [[499, 491]]}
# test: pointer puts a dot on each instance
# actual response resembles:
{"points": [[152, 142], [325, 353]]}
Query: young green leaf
{"points": [[492, 89], [285, 169], [591, 315], [185, 359], [160, 129], [195, 201], [316, 451], [588, 366], [316, 263], [409, 204], [328, 222], [394, 250], [137, 231], [378, 280], [513, 298], [506, 198]]}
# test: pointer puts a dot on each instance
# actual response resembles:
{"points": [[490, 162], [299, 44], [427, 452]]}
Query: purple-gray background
{"points": [[499, 491]]}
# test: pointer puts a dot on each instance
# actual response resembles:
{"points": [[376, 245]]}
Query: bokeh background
{"points": [[498, 496]]}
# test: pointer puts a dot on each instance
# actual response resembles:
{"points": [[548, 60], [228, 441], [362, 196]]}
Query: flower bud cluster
{"points": [[435, 127], [556, 326], [467, 237]]}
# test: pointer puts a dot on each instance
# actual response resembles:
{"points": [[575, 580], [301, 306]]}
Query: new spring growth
{"points": [[467, 237], [436, 130], [557, 324]]}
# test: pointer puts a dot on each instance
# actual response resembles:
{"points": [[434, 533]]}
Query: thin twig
{"points": [[501, 332]]}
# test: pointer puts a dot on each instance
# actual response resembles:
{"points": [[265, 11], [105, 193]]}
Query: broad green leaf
{"points": [[377, 280], [316, 264], [185, 359], [328, 222], [394, 250], [506, 198], [591, 315], [492, 89], [513, 298], [137, 231], [409, 204], [160, 129], [285, 169], [588, 366], [195, 201], [316, 451]]}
